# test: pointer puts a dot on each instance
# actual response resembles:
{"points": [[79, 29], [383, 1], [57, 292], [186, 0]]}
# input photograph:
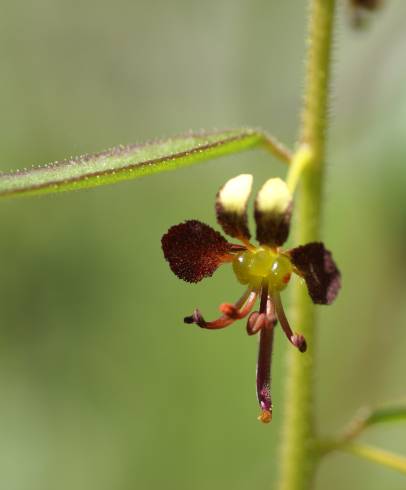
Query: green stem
{"points": [[299, 453], [376, 455]]}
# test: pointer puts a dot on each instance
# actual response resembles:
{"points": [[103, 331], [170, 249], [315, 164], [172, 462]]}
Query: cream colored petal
{"points": [[231, 206], [273, 209]]}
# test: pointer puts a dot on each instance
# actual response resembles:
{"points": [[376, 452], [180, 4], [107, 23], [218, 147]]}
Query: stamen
{"points": [[230, 309], [233, 248], [236, 311], [297, 340], [264, 297], [231, 312], [197, 317], [237, 248], [247, 244], [255, 322], [271, 314]]}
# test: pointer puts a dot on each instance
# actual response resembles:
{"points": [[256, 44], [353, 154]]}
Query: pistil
{"points": [[265, 356]]}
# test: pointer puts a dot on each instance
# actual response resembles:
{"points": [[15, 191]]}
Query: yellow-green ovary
{"points": [[252, 267]]}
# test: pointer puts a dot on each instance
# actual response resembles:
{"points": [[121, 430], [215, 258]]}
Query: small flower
{"points": [[194, 251]]}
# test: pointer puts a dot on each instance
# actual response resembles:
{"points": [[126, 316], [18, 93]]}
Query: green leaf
{"points": [[133, 161], [386, 414]]}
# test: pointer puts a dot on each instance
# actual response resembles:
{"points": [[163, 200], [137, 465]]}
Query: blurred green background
{"points": [[102, 386]]}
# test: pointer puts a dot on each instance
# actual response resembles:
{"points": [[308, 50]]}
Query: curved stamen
{"points": [[265, 358], [231, 312], [238, 311], [297, 340], [257, 321], [197, 317]]}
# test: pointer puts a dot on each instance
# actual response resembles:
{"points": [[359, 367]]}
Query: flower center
{"points": [[253, 266]]}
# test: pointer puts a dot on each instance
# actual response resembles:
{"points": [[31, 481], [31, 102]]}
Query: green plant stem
{"points": [[376, 455], [299, 455]]}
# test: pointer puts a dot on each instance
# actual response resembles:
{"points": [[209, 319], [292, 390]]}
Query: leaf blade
{"points": [[385, 415], [133, 161]]}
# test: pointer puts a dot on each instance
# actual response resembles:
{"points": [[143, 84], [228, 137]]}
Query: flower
{"points": [[194, 251]]}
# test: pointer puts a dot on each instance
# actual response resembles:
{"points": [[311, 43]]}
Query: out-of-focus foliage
{"points": [[102, 385]]}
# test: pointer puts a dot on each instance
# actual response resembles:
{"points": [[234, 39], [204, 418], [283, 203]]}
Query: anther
{"points": [[299, 341], [196, 317]]}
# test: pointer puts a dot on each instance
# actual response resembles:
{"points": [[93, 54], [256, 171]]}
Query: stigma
{"points": [[257, 264]]}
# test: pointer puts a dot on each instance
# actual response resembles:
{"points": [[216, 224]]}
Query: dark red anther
{"points": [[299, 341]]}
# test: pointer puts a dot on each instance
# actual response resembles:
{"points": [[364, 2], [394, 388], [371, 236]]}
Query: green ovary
{"points": [[252, 267]]}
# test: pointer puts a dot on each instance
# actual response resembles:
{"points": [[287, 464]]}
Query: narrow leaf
{"points": [[376, 455], [386, 414], [133, 161]]}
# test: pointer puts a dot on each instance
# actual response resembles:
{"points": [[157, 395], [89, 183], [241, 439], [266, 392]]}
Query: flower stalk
{"points": [[299, 454]]}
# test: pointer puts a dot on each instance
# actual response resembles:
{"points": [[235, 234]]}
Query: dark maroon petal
{"points": [[319, 270], [273, 212], [231, 206], [194, 250]]}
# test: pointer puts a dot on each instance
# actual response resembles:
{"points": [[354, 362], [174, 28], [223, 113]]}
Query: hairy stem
{"points": [[298, 445]]}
